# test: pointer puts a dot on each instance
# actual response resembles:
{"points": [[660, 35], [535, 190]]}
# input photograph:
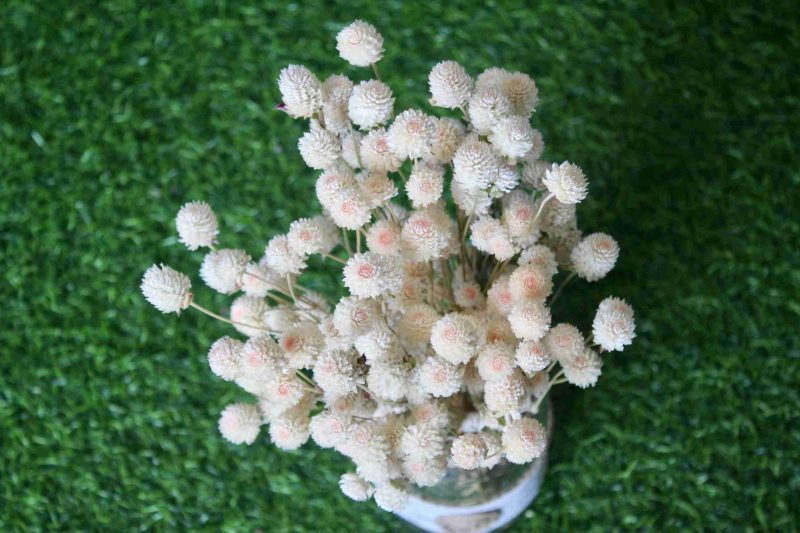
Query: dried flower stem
{"points": [[546, 199], [333, 258], [212, 314], [561, 287]]}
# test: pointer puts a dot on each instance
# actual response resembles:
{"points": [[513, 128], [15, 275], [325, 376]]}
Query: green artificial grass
{"points": [[113, 114]]}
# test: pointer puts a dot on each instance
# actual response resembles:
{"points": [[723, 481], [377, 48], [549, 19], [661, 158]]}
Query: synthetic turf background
{"points": [[113, 114]]}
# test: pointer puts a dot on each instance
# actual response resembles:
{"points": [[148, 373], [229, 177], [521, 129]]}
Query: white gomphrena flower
{"points": [[449, 134], [411, 134], [518, 214], [305, 237], [468, 451], [613, 327], [495, 361], [425, 185], [563, 341], [376, 188], [247, 312], [334, 340], [425, 472], [455, 338], [351, 141], [532, 357], [467, 294], [281, 258], [222, 270], [512, 136], [505, 396], [280, 318], [319, 147], [336, 92], [167, 289], [197, 225], [434, 413], [492, 77], [290, 430], [258, 279], [450, 85], [494, 448], [335, 372], [488, 235], [530, 320], [360, 44], [386, 380], [486, 106], [501, 299], [329, 428], [335, 180], [370, 274], [524, 440], [417, 322], [261, 357], [355, 487], [584, 369], [391, 497], [383, 237], [350, 210], [422, 440], [371, 103], [475, 164], [507, 180], [441, 378], [354, 317], [366, 441], [533, 174], [375, 152], [566, 182], [595, 256], [428, 232], [530, 282], [282, 393], [225, 358], [540, 256], [521, 92], [472, 201], [302, 344], [239, 423], [301, 91]]}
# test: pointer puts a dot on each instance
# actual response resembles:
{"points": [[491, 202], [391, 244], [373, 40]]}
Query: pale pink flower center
{"points": [[366, 271]]}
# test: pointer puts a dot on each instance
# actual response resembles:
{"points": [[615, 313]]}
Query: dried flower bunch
{"points": [[444, 348]]}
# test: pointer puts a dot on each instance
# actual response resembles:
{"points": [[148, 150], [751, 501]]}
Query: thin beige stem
{"points": [[358, 241], [561, 287], [346, 242], [541, 206], [333, 258], [212, 314], [291, 289], [375, 71]]}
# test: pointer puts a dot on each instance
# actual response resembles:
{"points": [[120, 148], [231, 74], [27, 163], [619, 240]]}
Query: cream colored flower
{"points": [[360, 44], [455, 338], [335, 371], [167, 289], [302, 343], [412, 134], [450, 85], [376, 154], [441, 378], [383, 237], [240, 423], [583, 369], [524, 440], [449, 134], [350, 209], [487, 106], [530, 282], [355, 487], [425, 185], [428, 232], [370, 104], [224, 358], [475, 164], [540, 256], [248, 312], [595, 256], [468, 451], [567, 182], [532, 357], [512, 136], [369, 275], [495, 361], [505, 396], [290, 430], [301, 91], [564, 342], [222, 270], [197, 225], [391, 498], [521, 92], [530, 320], [319, 148], [614, 327], [387, 380], [281, 258]]}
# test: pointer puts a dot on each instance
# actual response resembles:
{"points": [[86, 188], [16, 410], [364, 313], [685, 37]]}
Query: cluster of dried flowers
{"points": [[444, 349]]}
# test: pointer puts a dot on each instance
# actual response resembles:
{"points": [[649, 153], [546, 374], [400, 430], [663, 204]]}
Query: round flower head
{"points": [[595, 256], [167, 289], [411, 134], [521, 92], [433, 413], [468, 451], [467, 294], [240, 423], [282, 393], [290, 430], [222, 270], [225, 358], [505, 396], [305, 237], [353, 316], [197, 225], [366, 443], [422, 440], [375, 152], [370, 104], [333, 182], [258, 279], [567, 182], [499, 330], [301, 91], [475, 164], [369, 275], [386, 380], [512, 136], [486, 106], [379, 344], [613, 327], [329, 429], [492, 77], [524, 440], [350, 210], [335, 372], [533, 174], [355, 487], [532, 357], [336, 92], [302, 344], [450, 85], [281, 258], [449, 134], [428, 232], [518, 214], [583, 369], [383, 237], [261, 357], [248, 312], [425, 185], [496, 361], [390, 497], [417, 322], [488, 235], [319, 148], [360, 44], [501, 299], [563, 341], [455, 338], [376, 188], [529, 282], [440, 378], [530, 320], [425, 472], [540, 256], [472, 201]]}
